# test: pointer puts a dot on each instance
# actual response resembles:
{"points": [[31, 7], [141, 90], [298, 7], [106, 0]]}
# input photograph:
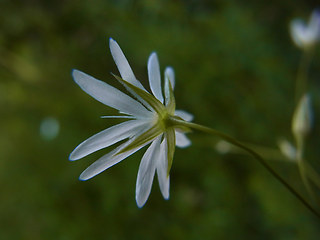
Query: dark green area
{"points": [[235, 70]]}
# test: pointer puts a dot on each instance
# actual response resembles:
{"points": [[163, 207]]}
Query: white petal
{"points": [[169, 73], [162, 167], [109, 96], [108, 137], [146, 172], [184, 115], [154, 76], [109, 160], [182, 141], [297, 30], [119, 117], [122, 64], [168, 77]]}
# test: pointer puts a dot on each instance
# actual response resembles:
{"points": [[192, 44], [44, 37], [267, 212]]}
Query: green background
{"points": [[235, 70]]}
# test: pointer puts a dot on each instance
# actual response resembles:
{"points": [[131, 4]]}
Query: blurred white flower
{"points": [[149, 122], [287, 149], [49, 128], [306, 35], [223, 147]]}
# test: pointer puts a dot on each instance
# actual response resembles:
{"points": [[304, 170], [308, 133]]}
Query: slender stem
{"points": [[269, 153], [253, 153], [302, 75], [302, 167], [301, 89], [312, 174]]}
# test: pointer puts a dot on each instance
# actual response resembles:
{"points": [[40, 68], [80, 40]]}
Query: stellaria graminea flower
{"points": [[148, 122], [306, 35]]}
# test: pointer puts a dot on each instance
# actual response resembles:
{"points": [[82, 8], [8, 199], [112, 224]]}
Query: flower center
{"points": [[165, 121]]}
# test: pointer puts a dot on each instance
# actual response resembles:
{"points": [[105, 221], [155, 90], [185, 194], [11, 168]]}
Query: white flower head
{"points": [[149, 122], [305, 35]]}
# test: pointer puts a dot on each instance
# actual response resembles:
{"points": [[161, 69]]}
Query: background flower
{"points": [[306, 35]]}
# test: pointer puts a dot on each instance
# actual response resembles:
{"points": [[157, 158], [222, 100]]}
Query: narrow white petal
{"points": [[109, 160], [122, 64], [109, 95], [146, 172], [184, 115], [108, 137], [169, 73], [162, 167], [126, 71], [182, 141], [154, 76], [168, 78], [119, 117], [295, 25]]}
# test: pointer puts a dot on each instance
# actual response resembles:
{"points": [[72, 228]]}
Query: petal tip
{"points": [[152, 57], [84, 176], [71, 158], [140, 203], [74, 71], [169, 69], [154, 54], [82, 179], [111, 40], [76, 75]]}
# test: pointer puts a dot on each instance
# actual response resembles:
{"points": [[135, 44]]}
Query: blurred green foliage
{"points": [[235, 70]]}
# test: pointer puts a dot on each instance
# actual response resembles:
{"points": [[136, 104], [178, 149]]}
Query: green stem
{"points": [[312, 174], [302, 75], [302, 167], [253, 153], [269, 153]]}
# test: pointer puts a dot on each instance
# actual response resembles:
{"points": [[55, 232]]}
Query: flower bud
{"points": [[302, 118], [287, 149]]}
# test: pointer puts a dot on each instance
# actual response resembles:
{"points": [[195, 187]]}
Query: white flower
{"points": [[305, 36], [148, 122]]}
